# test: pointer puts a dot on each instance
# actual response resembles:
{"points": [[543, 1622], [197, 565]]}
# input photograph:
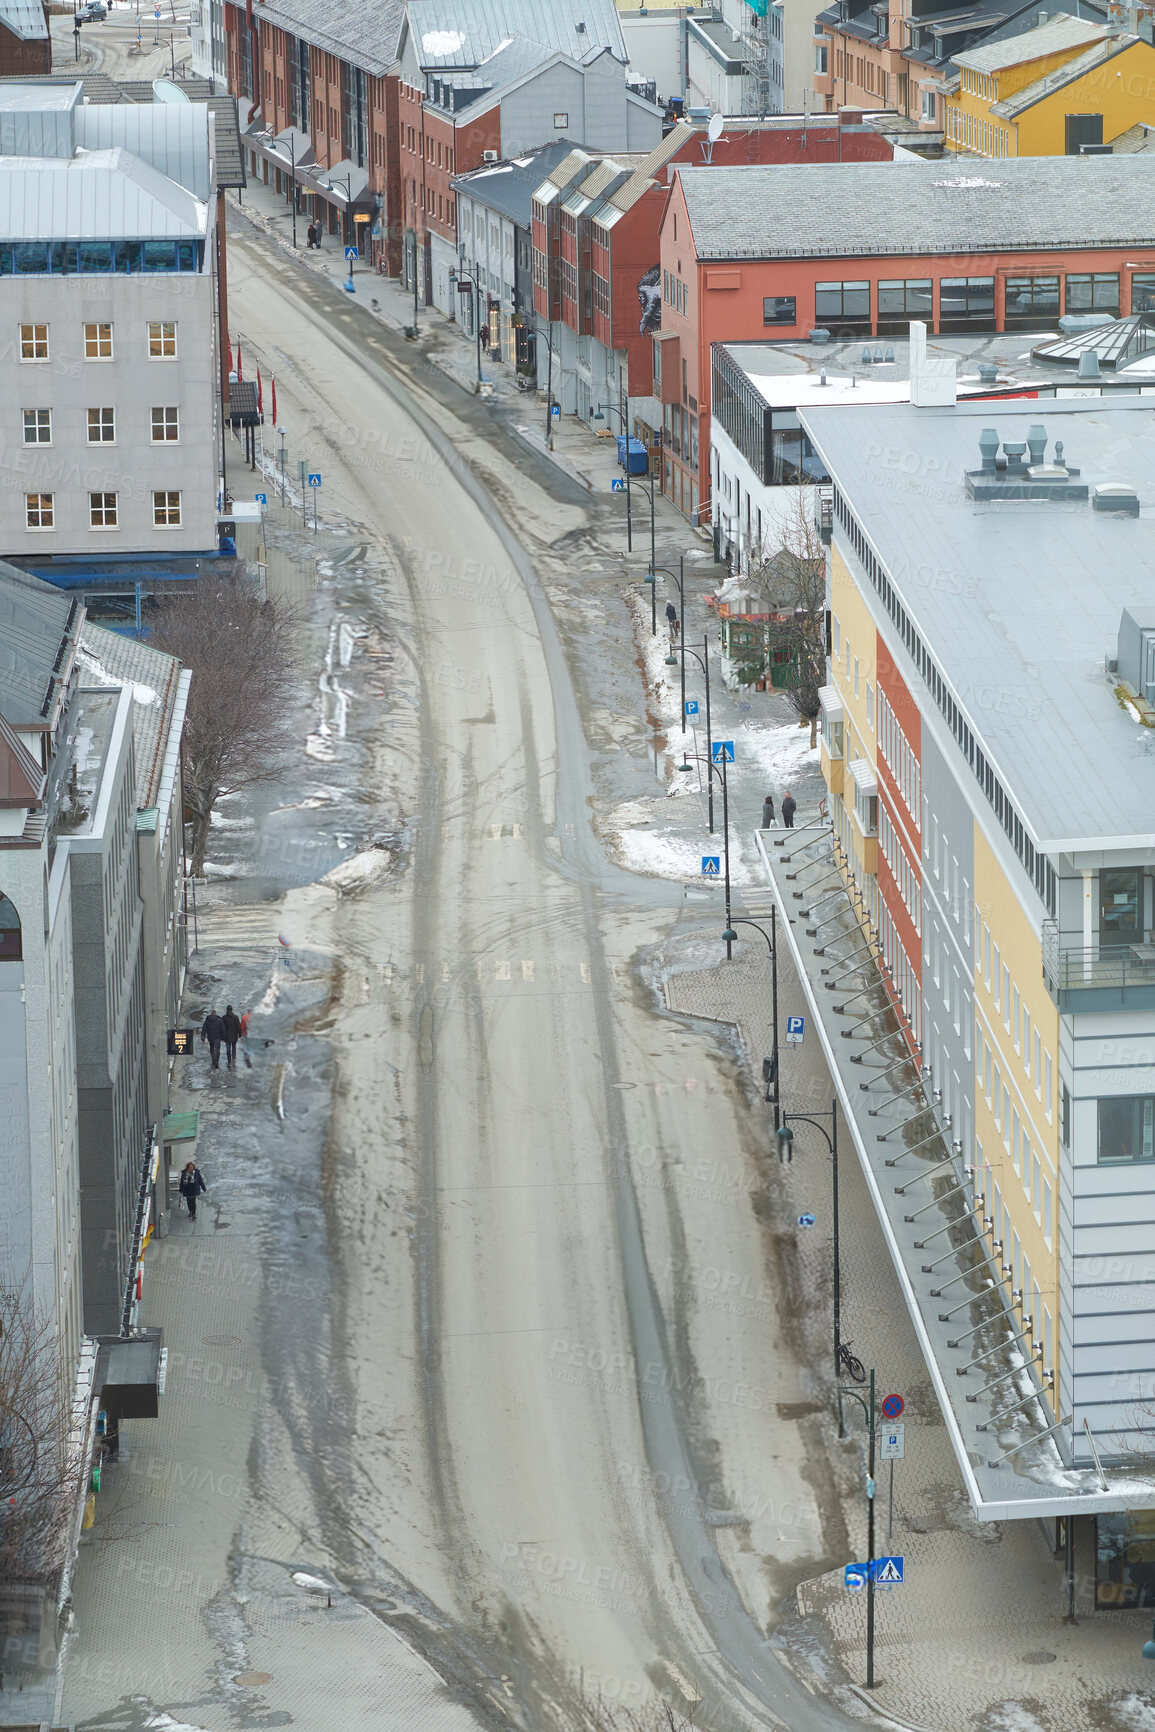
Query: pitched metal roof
{"points": [[108, 658], [98, 88], [879, 209], [1057, 34], [1097, 55], [508, 187], [510, 61], [461, 33], [172, 137], [25, 19], [36, 624], [366, 33], [98, 195]]}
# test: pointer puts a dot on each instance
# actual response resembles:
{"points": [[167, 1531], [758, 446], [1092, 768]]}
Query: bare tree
{"points": [[790, 582], [41, 1465], [238, 729]]}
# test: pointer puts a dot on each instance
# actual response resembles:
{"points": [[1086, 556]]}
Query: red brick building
{"points": [[860, 249], [319, 107], [25, 39]]}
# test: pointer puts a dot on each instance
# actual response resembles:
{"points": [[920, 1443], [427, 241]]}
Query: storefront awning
{"points": [[181, 1127]]}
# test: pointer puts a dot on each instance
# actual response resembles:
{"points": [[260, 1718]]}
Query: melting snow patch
{"points": [[1135, 1713], [314, 1584], [159, 1721], [1012, 1717], [439, 42], [968, 180], [142, 694], [362, 870]]}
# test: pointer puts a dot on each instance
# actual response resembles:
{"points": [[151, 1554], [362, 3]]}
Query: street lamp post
{"points": [[771, 1075], [718, 770], [281, 430], [477, 313], [785, 1149], [703, 661]]}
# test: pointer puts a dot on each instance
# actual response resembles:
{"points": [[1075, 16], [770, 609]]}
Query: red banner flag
{"points": [[229, 347]]}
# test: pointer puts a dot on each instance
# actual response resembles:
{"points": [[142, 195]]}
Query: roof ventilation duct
{"points": [[1088, 367]]}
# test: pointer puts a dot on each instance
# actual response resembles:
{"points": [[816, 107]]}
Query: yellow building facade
{"points": [[1086, 92]]}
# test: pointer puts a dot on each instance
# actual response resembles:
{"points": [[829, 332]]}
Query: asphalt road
{"points": [[519, 1393]]}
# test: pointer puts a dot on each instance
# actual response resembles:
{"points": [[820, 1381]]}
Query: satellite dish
{"points": [[165, 90], [716, 127]]}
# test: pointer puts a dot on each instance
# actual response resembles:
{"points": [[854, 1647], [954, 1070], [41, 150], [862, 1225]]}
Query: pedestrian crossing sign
{"points": [[889, 1572], [711, 865], [722, 751]]}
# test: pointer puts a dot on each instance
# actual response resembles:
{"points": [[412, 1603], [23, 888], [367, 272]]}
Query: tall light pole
{"points": [[786, 1150], [771, 1075], [703, 662]]}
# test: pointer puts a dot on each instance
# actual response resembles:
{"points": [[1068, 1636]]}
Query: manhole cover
{"points": [[1039, 1657], [250, 1679], [221, 1340]]}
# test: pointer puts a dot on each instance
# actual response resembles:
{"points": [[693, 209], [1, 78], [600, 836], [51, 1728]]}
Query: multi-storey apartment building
{"points": [[107, 243], [985, 733]]}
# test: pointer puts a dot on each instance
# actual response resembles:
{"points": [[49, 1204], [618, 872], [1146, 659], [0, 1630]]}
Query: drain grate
{"points": [[249, 1680], [1038, 1657], [221, 1340]]}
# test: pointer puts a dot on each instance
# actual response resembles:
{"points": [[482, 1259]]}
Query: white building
{"points": [[110, 364]]}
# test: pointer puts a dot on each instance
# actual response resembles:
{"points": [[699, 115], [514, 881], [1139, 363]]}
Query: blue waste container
{"points": [[639, 456]]}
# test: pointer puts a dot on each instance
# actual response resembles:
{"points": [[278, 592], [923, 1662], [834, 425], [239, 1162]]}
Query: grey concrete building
{"points": [[110, 432]]}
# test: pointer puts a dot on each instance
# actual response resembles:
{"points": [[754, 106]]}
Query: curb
{"points": [[887, 1715]]}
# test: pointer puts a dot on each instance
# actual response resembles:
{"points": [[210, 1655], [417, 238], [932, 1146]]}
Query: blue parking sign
{"points": [[261, 498], [691, 706], [795, 1029]]}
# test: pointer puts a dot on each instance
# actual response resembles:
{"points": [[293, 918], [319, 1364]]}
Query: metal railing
{"points": [[1096, 967]]}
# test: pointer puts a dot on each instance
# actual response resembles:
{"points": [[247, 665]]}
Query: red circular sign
{"points": [[892, 1406]]}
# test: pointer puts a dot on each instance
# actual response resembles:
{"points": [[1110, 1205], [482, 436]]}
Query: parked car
{"points": [[92, 12]]}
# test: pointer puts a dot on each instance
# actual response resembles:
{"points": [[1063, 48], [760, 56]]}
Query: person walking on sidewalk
{"points": [[311, 235], [213, 1030], [789, 807], [672, 621], [192, 1185], [233, 1031], [767, 811]]}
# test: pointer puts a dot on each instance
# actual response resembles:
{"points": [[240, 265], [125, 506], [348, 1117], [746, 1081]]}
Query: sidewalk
{"points": [[584, 455], [976, 1637], [204, 1595]]}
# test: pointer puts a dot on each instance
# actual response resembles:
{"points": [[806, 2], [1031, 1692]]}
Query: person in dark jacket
{"points": [[789, 807], [213, 1030], [233, 1031], [192, 1185], [767, 811], [672, 621]]}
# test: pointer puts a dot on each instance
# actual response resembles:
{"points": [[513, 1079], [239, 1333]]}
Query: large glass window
{"points": [[842, 305], [779, 310], [1127, 1129], [792, 456], [1120, 905], [1031, 301], [1142, 291], [1125, 1559], [1098, 293], [966, 303], [902, 299]]}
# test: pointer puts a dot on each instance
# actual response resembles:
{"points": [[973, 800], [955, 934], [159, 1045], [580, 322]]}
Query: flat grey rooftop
{"points": [[1021, 600], [879, 209]]}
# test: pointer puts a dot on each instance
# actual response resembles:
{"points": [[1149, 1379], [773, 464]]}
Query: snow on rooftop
{"points": [[787, 390], [443, 41]]}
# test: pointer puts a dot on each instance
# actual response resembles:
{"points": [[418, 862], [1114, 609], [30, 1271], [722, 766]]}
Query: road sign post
{"points": [[711, 865], [617, 485], [795, 1029], [315, 485], [691, 707], [722, 752]]}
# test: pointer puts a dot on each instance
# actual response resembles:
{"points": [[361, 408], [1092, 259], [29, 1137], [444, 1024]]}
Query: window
{"points": [[34, 342], [1098, 293], [38, 511], [928, 105], [1065, 1116], [902, 299], [102, 510], [165, 424], [166, 509], [10, 946], [37, 426], [1031, 300], [101, 426], [98, 342], [820, 58], [869, 705], [161, 340], [1048, 1213], [1142, 291], [1047, 1084], [1127, 1129], [1015, 1019], [966, 303], [779, 310], [560, 120], [842, 304]]}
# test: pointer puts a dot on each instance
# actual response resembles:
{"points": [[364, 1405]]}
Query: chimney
{"points": [[933, 383], [850, 116]]}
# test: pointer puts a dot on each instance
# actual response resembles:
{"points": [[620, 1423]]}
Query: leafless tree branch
{"points": [[238, 728], [40, 1474]]}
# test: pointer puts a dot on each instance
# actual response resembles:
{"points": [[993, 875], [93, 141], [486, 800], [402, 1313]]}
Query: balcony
{"points": [[1101, 976]]}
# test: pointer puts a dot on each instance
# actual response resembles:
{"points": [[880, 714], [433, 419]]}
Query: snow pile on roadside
{"points": [[666, 851], [784, 754], [360, 871], [663, 684]]}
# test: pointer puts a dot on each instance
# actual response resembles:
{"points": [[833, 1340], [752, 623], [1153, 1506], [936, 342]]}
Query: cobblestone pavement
{"points": [[976, 1639]]}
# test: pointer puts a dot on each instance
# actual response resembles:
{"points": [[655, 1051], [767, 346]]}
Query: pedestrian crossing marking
{"points": [[420, 973], [495, 832], [503, 971], [445, 971], [518, 833], [584, 969], [527, 971]]}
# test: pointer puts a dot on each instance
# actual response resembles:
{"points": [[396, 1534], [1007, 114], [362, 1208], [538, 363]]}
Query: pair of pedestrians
{"points": [[789, 807], [224, 1031]]}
